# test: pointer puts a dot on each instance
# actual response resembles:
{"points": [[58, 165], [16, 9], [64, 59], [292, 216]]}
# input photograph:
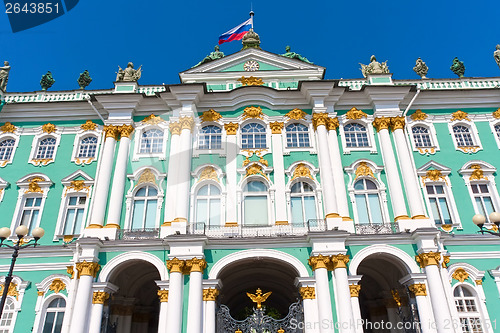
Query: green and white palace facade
{"points": [[351, 201]]}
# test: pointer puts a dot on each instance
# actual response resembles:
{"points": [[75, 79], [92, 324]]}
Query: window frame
{"points": [[367, 123], [245, 194], [312, 149], [221, 201], [222, 133], [146, 199], [6, 136], [21, 286], [291, 195], [43, 305], [432, 135], [496, 135], [474, 135], [144, 127], [266, 133], [80, 135]]}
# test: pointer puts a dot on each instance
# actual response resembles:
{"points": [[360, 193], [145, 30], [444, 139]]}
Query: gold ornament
{"points": [[255, 169], [77, 185], [477, 174], [147, 176], [187, 123], [418, 289], [495, 114], [397, 123], [48, 128], [253, 112], [354, 114], [163, 295], [210, 115], [319, 119], [231, 128], [175, 128], [210, 294], [12, 290], [8, 128], [111, 131], [319, 261], [195, 265], [152, 120], [396, 297], [33, 186], [354, 289], [41, 161], [175, 265], [446, 261], [40, 292], [419, 115], [250, 81], [208, 173], [87, 268], [339, 261], [381, 123], [126, 130], [332, 124], [296, 114], [479, 282], [433, 175], [427, 259], [363, 170], [460, 275], [70, 270], [57, 285], [88, 126], [276, 127], [259, 298], [307, 292], [301, 171], [459, 115]]}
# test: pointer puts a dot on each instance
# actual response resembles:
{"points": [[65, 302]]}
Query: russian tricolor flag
{"points": [[236, 33]]}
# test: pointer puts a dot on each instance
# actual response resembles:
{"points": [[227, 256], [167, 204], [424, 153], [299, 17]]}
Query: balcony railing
{"points": [[239, 231], [379, 228], [147, 233]]}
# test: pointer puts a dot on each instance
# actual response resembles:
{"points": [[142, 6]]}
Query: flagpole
{"points": [[251, 16]]}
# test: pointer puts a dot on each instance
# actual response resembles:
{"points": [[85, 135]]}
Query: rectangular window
{"points": [[482, 199], [439, 204], [74, 215], [31, 212], [256, 210]]}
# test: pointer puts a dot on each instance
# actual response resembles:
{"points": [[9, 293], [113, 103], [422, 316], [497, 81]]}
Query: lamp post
{"points": [[479, 220], [20, 231]]}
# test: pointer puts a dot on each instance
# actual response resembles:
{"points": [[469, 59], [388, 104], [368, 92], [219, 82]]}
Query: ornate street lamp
{"points": [[21, 232], [479, 220]]}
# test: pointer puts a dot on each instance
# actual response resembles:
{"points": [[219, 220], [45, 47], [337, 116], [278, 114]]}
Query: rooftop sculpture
{"points": [[47, 81], [4, 75], [374, 67], [294, 55], [496, 55], [84, 79], [458, 67], [251, 40], [216, 54], [421, 68], [128, 74]]}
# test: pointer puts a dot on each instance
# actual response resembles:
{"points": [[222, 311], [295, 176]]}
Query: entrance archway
{"points": [[135, 307]]}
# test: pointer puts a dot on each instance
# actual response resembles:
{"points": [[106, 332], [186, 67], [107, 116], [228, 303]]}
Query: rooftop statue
{"points": [[294, 55], [47, 81], [421, 68], [128, 74], [458, 67], [4, 75], [374, 67], [84, 79], [217, 54], [251, 40], [496, 55]]}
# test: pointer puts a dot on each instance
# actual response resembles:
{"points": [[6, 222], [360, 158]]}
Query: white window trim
{"points": [[488, 171], [432, 134], [135, 184], [9, 135], [312, 149], [197, 151], [39, 136], [3, 186], [82, 134], [492, 126], [141, 128], [474, 134], [69, 190], [367, 123], [264, 123], [202, 182], [24, 193], [495, 274], [270, 198], [41, 309], [21, 288], [351, 171]]}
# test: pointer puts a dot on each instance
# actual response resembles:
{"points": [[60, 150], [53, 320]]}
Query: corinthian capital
{"points": [[319, 261], [427, 259], [175, 265], [339, 260], [195, 265], [381, 123], [319, 119]]}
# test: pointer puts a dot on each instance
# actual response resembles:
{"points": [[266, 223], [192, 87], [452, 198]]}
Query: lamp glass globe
{"points": [[38, 232], [22, 230], [4, 232], [478, 219]]}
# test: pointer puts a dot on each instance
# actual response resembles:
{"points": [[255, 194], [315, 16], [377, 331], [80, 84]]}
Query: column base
{"points": [[176, 227], [410, 225], [101, 233], [337, 223]]}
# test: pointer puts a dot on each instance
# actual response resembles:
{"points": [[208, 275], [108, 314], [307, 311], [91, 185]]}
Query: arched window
{"points": [[368, 202], [7, 322], [210, 137], [253, 136], [88, 147], [151, 141], [303, 202], [468, 310], [297, 135], [356, 135], [145, 208], [46, 148], [497, 130], [6, 148], [255, 203], [463, 136], [208, 206], [54, 316], [421, 137]]}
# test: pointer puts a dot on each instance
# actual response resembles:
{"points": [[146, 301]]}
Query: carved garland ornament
{"points": [[57, 285], [308, 292], [296, 114], [152, 120], [8, 128], [210, 115], [33, 186], [459, 115], [48, 128], [77, 185], [88, 126], [12, 290], [355, 114], [363, 170], [250, 81], [460, 275], [301, 171], [208, 173], [253, 112], [419, 115]]}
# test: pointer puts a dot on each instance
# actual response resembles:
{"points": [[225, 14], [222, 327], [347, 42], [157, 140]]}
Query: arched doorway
{"points": [[386, 305], [247, 276], [134, 308]]}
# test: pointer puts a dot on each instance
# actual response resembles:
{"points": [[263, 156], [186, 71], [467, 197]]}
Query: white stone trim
{"points": [[474, 273], [473, 132], [312, 149], [3, 186], [270, 193], [39, 136], [196, 134], [45, 283], [367, 123], [41, 309], [480, 299], [80, 135], [495, 274], [21, 288], [14, 136], [120, 259], [378, 249], [286, 258], [432, 134], [494, 133], [199, 184], [140, 128]]}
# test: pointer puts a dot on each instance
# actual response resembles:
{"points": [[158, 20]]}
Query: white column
{"points": [[329, 198], [184, 170], [231, 173], [391, 169], [209, 298], [73, 287], [338, 170], [413, 192], [174, 314], [354, 289], [195, 305], [311, 320], [162, 320], [345, 316], [101, 188], [119, 177], [440, 307], [319, 265], [87, 271], [173, 164], [448, 290], [279, 173], [98, 300], [126, 323], [423, 306]]}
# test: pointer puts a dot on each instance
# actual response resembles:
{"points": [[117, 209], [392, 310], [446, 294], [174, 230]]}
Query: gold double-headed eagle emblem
{"points": [[258, 297]]}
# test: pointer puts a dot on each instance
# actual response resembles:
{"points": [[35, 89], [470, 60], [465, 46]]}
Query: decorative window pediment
{"points": [[464, 133], [422, 133], [356, 132], [45, 144], [86, 144], [3, 185], [14, 302]]}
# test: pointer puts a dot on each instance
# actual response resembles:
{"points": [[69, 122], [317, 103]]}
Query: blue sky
{"points": [[167, 37]]}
